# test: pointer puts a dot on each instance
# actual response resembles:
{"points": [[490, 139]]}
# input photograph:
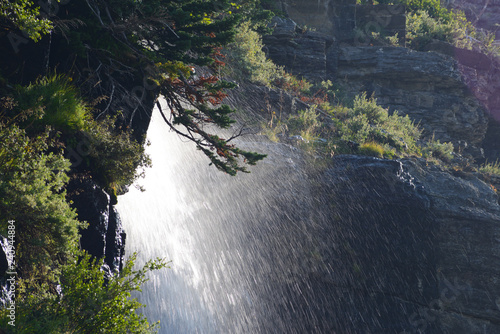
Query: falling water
{"points": [[240, 246]]}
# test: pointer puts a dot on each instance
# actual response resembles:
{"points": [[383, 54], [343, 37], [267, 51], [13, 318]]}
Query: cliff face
{"points": [[104, 238], [406, 247], [445, 96]]}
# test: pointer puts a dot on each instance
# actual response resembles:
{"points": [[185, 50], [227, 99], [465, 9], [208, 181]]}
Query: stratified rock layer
{"points": [[434, 89], [427, 86]]}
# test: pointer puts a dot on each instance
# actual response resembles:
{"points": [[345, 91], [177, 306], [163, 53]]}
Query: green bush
{"points": [[31, 183], [25, 16], [490, 168], [247, 60], [432, 7], [115, 158], [306, 120], [436, 149], [62, 108], [365, 124], [369, 122], [89, 302]]}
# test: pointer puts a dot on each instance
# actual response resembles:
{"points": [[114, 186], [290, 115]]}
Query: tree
{"points": [[31, 183], [158, 41], [23, 15]]}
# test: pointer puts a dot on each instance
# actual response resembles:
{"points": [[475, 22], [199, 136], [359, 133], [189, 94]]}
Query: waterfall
{"points": [[241, 247]]}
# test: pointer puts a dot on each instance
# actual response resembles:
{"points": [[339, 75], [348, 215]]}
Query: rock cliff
{"points": [[104, 238], [407, 248], [451, 97]]}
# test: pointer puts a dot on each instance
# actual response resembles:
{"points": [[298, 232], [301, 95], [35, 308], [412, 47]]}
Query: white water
{"points": [[240, 245]]}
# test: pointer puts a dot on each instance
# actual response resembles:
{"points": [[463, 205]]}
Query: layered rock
{"points": [[427, 86], [446, 97], [301, 52]]}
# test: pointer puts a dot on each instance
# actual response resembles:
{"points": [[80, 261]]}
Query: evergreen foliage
{"points": [[62, 108], [248, 60], [114, 157], [31, 193]]}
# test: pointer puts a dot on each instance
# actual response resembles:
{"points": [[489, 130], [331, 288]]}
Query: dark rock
{"points": [[115, 241], [407, 248], [387, 20], [302, 53], [377, 246], [104, 237], [92, 205]]}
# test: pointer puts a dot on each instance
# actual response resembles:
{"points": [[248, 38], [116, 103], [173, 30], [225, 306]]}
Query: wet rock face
{"points": [[104, 237], [407, 248], [467, 217], [378, 246]]}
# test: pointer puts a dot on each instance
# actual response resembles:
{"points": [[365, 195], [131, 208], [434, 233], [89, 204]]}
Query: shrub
{"points": [[115, 158], [89, 301], [298, 87], [31, 183], [421, 28], [490, 168], [371, 149], [369, 122], [438, 150], [62, 108], [374, 113], [26, 16], [306, 120], [247, 58]]}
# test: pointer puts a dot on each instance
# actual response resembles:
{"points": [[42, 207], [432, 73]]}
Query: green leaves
{"points": [[88, 302], [30, 193], [59, 103], [24, 15]]}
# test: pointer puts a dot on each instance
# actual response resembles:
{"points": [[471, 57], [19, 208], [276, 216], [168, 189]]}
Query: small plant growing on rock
{"points": [[436, 149], [372, 149], [492, 168]]}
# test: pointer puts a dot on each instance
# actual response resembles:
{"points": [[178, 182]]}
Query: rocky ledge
{"points": [[449, 91]]}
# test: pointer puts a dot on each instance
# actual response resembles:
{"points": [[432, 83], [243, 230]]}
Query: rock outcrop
{"points": [[104, 237], [427, 86], [449, 99], [407, 249]]}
